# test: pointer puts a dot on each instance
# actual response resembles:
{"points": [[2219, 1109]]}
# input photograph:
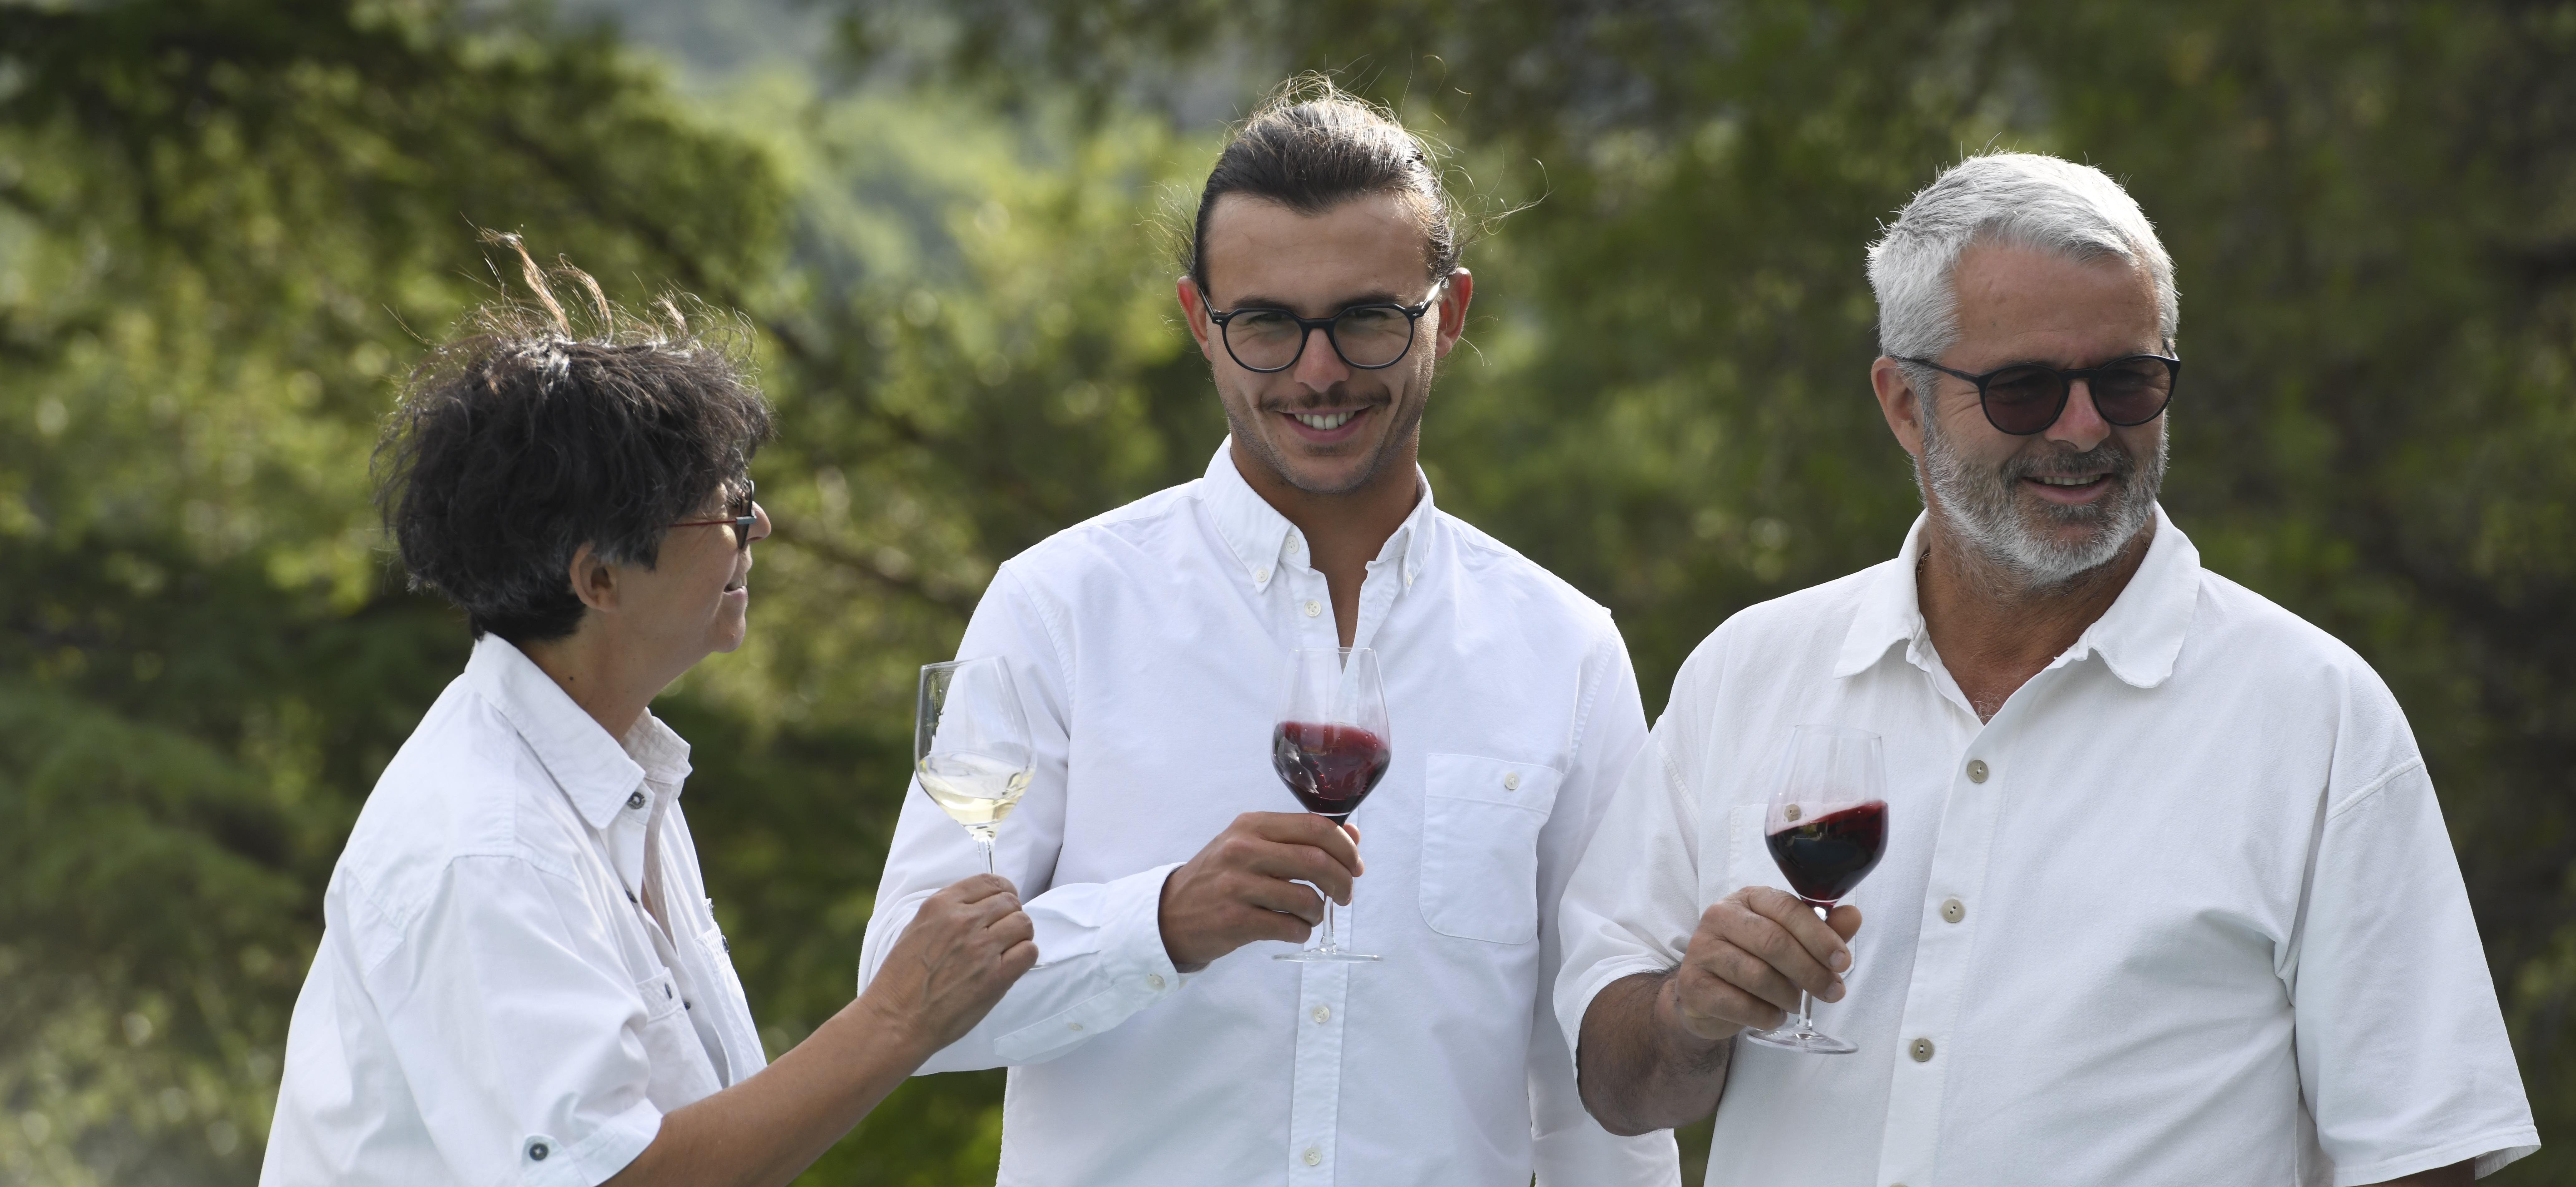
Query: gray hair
{"points": [[2020, 199]]}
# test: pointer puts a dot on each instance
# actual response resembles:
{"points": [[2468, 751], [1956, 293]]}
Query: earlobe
{"points": [[1454, 298]]}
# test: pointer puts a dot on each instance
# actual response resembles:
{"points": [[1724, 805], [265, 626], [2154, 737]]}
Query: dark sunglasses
{"points": [[744, 517], [2026, 398]]}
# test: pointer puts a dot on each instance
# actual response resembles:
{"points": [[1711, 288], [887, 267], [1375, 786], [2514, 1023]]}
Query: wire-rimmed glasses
{"points": [[745, 516], [1370, 337]]}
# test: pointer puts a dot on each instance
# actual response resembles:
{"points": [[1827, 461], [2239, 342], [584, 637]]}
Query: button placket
{"points": [[1936, 987], [1315, 1093]]}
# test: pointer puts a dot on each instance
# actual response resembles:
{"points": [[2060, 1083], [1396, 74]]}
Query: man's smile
{"points": [[2069, 488], [1327, 426]]}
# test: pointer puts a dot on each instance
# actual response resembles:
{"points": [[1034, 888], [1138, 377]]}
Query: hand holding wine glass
{"points": [[1826, 829], [1331, 749]]}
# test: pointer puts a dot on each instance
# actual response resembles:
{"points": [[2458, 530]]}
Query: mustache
{"points": [[1336, 396], [2108, 458]]}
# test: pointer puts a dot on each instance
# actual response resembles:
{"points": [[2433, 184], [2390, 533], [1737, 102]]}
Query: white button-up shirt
{"points": [[2183, 912], [1151, 645], [491, 1002]]}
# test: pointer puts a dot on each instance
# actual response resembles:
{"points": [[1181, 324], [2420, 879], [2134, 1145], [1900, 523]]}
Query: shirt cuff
{"points": [[1134, 966], [544, 1162], [1574, 994]]}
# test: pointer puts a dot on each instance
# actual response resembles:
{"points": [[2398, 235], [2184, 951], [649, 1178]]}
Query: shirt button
{"points": [[1512, 781], [1952, 910], [1078, 1026], [636, 800], [1314, 1156], [1154, 981], [1920, 1049], [1313, 607], [1260, 575], [537, 1151], [1976, 770], [1322, 1014]]}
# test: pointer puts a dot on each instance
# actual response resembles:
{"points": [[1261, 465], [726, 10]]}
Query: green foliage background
{"points": [[225, 227]]}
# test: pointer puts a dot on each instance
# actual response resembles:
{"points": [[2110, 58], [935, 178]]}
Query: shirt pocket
{"points": [[1480, 823], [678, 1071]]}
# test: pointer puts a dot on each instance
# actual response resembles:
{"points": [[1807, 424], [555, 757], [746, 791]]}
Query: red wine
{"points": [[1826, 856], [1330, 768]]}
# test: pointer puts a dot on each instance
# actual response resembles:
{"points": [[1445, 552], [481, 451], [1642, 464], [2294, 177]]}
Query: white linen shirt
{"points": [[1150, 645], [2183, 912], [491, 1003]]}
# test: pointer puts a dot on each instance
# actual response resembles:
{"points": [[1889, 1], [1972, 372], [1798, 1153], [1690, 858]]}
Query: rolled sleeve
{"points": [[2402, 1050], [1569, 1148], [1634, 898], [507, 1006]]}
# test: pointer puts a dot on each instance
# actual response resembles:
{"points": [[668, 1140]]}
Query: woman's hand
{"points": [[964, 949]]}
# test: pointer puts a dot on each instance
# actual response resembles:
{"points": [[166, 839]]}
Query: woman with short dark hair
{"points": [[520, 977]]}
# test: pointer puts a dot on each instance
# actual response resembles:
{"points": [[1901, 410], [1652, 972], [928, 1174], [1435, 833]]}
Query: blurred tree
{"points": [[216, 221], [221, 224]]}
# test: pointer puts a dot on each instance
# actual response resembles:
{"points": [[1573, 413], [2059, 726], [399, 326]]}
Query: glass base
{"points": [[1793, 1038], [1325, 956]]}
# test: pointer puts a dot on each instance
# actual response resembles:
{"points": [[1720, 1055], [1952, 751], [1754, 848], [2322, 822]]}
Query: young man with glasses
{"points": [[1165, 864], [2166, 896], [520, 978]]}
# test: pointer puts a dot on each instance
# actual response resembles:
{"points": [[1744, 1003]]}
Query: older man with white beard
{"points": [[2166, 895]]}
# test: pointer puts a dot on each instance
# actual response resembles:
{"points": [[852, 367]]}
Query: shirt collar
{"points": [[1260, 537], [595, 772], [2138, 637]]}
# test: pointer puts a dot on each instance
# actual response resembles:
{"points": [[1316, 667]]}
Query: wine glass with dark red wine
{"points": [[1827, 828], [1330, 748]]}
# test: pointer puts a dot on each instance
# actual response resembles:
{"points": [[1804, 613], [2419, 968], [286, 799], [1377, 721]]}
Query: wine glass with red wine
{"points": [[1330, 748], [1827, 828]]}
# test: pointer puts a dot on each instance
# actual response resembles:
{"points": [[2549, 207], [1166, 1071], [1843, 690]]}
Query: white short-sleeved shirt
{"points": [[1149, 645], [2184, 911], [491, 1002]]}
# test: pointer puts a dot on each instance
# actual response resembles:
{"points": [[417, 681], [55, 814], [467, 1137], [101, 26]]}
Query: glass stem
{"points": [[986, 844], [1329, 912], [1806, 1000]]}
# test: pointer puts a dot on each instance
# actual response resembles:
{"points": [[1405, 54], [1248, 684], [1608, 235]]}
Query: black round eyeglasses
{"points": [[1370, 337]]}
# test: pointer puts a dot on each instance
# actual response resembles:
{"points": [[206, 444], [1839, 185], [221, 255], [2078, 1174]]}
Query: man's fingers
{"points": [[1711, 1008], [1845, 920], [1307, 829], [1278, 897], [1821, 943], [1749, 972], [1291, 863]]}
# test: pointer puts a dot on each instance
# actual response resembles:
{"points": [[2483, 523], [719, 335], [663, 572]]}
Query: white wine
{"points": [[974, 790]]}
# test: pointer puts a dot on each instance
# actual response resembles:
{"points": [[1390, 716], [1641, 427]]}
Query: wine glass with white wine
{"points": [[970, 745]]}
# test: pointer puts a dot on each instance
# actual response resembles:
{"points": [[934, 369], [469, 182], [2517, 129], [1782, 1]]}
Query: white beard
{"points": [[1987, 512]]}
